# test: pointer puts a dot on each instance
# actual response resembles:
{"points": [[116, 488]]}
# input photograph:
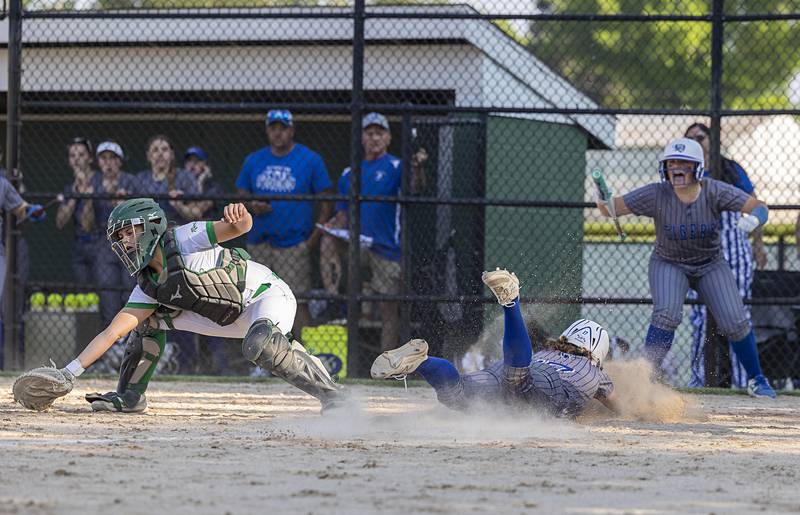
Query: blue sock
{"points": [[657, 344], [747, 353], [438, 372], [517, 350]]}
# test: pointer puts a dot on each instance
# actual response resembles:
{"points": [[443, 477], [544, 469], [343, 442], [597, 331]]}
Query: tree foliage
{"points": [[668, 64]]}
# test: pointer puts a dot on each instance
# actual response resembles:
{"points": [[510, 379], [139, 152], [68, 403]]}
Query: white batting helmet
{"points": [[684, 149], [589, 335]]}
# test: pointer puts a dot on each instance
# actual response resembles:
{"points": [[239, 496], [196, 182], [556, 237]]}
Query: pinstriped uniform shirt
{"points": [[588, 380], [686, 233]]}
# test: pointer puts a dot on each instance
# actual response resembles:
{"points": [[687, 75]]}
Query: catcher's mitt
{"points": [[37, 389]]}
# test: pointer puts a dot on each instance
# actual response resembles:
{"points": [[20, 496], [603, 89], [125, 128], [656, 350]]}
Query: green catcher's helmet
{"points": [[149, 223]]}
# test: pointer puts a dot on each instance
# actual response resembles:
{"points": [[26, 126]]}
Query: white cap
{"points": [[110, 146]]}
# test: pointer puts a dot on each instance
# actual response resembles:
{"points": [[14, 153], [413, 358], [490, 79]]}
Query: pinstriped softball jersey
{"points": [[686, 233], [688, 252], [588, 380]]}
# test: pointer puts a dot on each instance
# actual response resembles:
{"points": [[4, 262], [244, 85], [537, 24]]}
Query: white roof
{"points": [[474, 58]]}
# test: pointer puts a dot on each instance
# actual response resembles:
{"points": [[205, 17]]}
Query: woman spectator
{"points": [[165, 178], [87, 234], [110, 272]]}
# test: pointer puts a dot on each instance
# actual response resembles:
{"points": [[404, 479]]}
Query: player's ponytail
{"points": [[562, 345]]}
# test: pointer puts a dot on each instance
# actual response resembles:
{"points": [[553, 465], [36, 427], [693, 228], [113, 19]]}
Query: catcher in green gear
{"points": [[187, 281]]}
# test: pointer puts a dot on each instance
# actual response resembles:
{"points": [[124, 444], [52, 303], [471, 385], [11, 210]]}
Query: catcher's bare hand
{"points": [[234, 213], [37, 389]]}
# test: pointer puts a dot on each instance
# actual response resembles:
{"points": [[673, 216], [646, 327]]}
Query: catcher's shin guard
{"points": [[143, 348], [264, 345]]}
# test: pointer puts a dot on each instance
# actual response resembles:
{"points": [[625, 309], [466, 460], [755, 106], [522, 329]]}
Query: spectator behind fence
{"points": [[283, 231], [738, 253], [196, 161], [381, 174], [87, 234], [11, 202], [165, 178], [110, 272]]}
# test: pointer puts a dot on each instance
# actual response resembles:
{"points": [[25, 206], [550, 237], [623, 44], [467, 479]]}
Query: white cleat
{"points": [[504, 285], [398, 363]]}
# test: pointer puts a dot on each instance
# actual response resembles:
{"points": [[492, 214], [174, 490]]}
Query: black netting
{"points": [[493, 116]]}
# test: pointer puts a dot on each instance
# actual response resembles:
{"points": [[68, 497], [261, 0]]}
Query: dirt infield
{"points": [[262, 448]]}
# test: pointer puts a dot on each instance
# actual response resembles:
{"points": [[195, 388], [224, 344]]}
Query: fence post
{"points": [[405, 238], [354, 348], [713, 341], [10, 295]]}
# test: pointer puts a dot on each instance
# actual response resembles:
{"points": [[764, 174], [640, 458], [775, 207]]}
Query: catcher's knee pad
{"points": [[143, 348], [262, 342], [264, 345]]}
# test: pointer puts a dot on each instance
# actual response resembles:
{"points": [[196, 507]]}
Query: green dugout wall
{"points": [[533, 160]]}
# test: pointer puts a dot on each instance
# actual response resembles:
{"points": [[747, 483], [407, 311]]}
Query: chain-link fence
{"points": [[492, 115]]}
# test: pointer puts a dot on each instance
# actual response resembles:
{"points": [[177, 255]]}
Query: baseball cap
{"points": [[110, 146], [281, 116], [375, 119], [195, 151]]}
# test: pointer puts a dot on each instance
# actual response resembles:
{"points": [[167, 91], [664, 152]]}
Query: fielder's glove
{"points": [[37, 389], [748, 222]]}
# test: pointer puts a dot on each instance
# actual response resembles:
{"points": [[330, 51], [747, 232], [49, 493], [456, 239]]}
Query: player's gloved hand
{"points": [[748, 222], [35, 212]]}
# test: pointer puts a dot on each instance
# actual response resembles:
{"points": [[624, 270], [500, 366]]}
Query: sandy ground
{"points": [[263, 448]]}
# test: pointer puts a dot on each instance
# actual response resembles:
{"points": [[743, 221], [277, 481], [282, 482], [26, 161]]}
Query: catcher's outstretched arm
{"points": [[125, 321]]}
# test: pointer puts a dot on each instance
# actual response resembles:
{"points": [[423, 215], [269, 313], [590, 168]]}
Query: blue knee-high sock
{"points": [[657, 344], [747, 352], [517, 350], [438, 372]]}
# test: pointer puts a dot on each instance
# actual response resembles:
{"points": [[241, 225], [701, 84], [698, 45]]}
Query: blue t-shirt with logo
{"points": [[301, 171], [379, 220]]}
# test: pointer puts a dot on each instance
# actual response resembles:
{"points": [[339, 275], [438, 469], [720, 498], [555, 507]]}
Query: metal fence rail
{"points": [[496, 115]]}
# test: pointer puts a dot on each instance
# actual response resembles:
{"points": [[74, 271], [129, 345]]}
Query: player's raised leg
{"points": [[517, 351]]}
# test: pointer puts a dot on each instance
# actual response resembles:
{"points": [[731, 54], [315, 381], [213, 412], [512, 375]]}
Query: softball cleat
{"points": [[504, 285], [759, 387], [398, 363]]}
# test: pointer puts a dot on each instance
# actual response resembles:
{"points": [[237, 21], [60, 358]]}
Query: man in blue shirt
{"points": [[381, 174], [283, 230]]}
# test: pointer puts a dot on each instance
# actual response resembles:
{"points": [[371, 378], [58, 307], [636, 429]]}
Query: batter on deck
{"points": [[686, 208]]}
